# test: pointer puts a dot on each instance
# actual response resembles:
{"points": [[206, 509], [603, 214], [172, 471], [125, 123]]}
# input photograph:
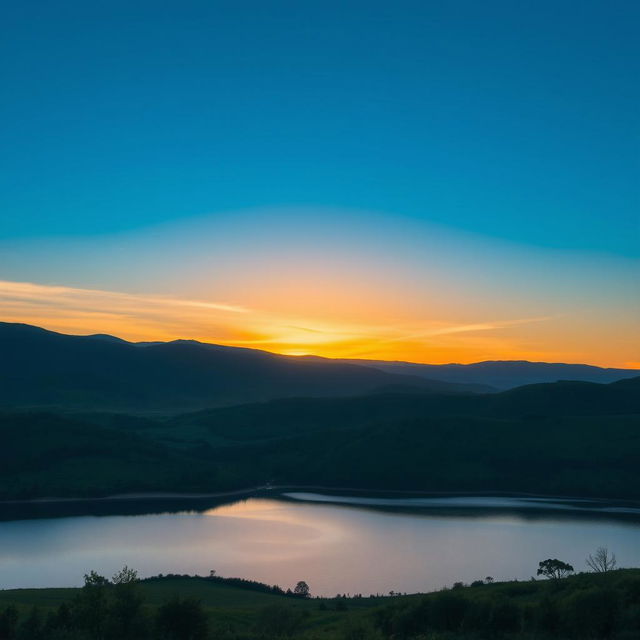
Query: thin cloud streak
{"points": [[56, 293], [151, 317]]}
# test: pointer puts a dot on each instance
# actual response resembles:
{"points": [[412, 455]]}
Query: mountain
{"points": [[502, 374], [42, 368]]}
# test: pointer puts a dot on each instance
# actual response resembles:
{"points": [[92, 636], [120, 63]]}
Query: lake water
{"points": [[338, 544]]}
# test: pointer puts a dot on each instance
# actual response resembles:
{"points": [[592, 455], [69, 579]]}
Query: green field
{"points": [[590, 605]]}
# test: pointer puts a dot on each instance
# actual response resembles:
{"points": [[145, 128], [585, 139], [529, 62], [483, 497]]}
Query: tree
{"points": [[488, 579], [91, 606], [126, 617], [94, 579], [602, 561], [554, 568], [125, 576], [302, 589]]}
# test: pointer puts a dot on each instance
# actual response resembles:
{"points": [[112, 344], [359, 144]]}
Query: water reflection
{"points": [[334, 547]]}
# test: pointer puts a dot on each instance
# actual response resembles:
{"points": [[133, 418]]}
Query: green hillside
{"points": [[598, 606], [579, 439]]}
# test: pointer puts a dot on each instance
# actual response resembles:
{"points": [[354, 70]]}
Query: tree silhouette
{"points": [[91, 605], [554, 568], [302, 589], [125, 576], [602, 561]]}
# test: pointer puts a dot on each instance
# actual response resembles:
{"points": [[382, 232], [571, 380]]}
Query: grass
{"points": [[238, 610]]}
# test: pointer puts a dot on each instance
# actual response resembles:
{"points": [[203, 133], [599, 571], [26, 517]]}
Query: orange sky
{"points": [[332, 283], [371, 331]]}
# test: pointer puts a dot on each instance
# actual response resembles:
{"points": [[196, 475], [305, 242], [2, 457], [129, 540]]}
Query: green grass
{"points": [[236, 611], [228, 607]]}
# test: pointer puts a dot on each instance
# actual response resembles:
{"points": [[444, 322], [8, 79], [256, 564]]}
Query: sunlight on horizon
{"points": [[156, 318]]}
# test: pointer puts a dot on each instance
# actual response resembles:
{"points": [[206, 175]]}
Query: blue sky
{"points": [[428, 181], [517, 120]]}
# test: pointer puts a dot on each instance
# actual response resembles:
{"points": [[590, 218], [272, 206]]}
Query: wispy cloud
{"points": [[48, 294], [136, 317], [153, 317]]}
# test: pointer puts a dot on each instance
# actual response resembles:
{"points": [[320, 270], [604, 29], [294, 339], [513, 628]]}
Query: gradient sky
{"points": [[428, 181]]}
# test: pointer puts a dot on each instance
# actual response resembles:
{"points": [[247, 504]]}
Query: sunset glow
{"points": [[435, 189], [430, 339]]}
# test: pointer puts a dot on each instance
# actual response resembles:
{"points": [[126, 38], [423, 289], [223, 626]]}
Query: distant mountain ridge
{"points": [[40, 368], [503, 374]]}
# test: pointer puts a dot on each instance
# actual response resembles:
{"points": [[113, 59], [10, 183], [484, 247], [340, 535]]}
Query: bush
{"points": [[8, 623], [448, 610], [546, 618], [505, 617], [182, 619], [592, 613]]}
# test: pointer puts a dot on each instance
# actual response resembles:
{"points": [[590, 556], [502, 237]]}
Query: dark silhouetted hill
{"points": [[40, 368], [565, 438], [503, 375]]}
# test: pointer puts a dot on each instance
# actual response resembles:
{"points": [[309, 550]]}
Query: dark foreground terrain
{"points": [[595, 605]]}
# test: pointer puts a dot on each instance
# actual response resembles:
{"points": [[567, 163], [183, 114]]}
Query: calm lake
{"points": [[338, 544]]}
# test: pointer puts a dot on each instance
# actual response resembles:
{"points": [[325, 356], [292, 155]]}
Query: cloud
{"points": [[129, 315], [54, 294], [143, 317]]}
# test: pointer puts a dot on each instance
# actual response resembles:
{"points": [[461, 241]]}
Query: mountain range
{"points": [[502, 374], [41, 368]]}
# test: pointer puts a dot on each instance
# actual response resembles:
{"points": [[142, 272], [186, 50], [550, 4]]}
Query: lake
{"points": [[338, 544]]}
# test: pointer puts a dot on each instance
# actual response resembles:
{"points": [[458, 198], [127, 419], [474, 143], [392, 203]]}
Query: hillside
{"points": [[594, 605], [578, 439], [41, 368]]}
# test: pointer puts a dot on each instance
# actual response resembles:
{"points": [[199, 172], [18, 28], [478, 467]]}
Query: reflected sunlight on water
{"points": [[336, 548]]}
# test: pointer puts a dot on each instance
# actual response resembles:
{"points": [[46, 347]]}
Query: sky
{"points": [[424, 181]]}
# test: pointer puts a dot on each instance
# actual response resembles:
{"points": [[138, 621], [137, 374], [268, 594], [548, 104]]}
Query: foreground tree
{"points": [[91, 604], [126, 617], [554, 568], [602, 561]]}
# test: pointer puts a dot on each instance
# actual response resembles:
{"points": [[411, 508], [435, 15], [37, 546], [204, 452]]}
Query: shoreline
{"points": [[352, 491]]}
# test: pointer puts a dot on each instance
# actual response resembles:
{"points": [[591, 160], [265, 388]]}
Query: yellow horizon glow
{"points": [[367, 334]]}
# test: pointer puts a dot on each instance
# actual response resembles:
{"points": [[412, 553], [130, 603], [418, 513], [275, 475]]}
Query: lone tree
{"points": [[302, 589], [602, 561], [554, 568], [125, 576]]}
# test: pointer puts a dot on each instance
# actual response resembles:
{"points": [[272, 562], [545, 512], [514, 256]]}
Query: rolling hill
{"points": [[41, 368], [568, 438]]}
